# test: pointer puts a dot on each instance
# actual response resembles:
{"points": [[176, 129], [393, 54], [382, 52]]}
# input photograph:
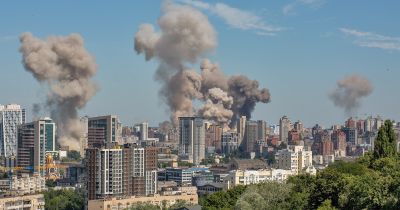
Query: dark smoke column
{"points": [[246, 94], [64, 65], [349, 92]]}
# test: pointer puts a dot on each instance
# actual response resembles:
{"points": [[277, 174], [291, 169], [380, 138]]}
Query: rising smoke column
{"points": [[349, 92], [246, 94], [64, 65], [217, 106], [185, 36]]}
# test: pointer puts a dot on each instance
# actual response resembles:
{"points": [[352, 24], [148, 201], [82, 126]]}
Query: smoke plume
{"points": [[217, 106], [186, 36], [165, 127], [349, 92], [246, 94], [64, 65]]}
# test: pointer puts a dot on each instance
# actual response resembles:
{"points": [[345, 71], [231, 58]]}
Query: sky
{"points": [[297, 49]]}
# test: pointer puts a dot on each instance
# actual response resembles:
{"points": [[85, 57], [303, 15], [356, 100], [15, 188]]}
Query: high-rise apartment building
{"points": [[322, 144], [144, 131], [34, 140], [351, 135], [251, 136], [351, 123], [261, 127], [104, 172], [11, 116], [192, 139], [298, 126], [284, 128], [294, 137], [339, 141], [213, 137], [131, 169], [241, 128], [104, 130], [26, 146], [83, 140], [229, 142]]}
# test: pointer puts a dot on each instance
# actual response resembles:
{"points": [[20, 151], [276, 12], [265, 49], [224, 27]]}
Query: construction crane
{"points": [[50, 167]]}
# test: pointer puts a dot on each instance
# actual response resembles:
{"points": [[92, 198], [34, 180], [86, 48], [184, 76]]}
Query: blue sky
{"points": [[298, 49]]}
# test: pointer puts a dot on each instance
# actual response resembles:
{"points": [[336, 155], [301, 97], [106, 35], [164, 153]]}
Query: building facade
{"points": [[11, 116], [192, 139], [251, 136], [284, 128], [126, 171], [229, 142], [34, 140], [125, 203], [26, 202], [295, 158], [104, 130]]}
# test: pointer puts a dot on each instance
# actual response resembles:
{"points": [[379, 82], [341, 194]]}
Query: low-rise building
{"points": [[26, 184], [246, 177], [124, 203], [26, 202]]}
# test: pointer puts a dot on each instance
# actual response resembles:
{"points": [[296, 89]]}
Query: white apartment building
{"points": [[246, 177], [109, 172], [151, 182], [26, 184], [11, 116], [144, 131], [295, 158]]}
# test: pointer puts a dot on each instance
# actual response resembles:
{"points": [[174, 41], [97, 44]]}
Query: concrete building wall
{"points": [[120, 204]]}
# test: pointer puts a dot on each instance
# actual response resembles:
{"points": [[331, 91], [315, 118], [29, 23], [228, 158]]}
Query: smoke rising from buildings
{"points": [[64, 65], [349, 92], [246, 94], [185, 37]]}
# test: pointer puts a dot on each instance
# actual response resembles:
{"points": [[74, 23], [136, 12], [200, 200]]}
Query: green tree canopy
{"points": [[385, 142]]}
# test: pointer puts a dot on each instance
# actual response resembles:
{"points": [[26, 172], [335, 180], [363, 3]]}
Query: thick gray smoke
{"points": [[349, 92], [186, 36], [245, 95], [217, 106], [67, 68], [165, 127], [181, 90]]}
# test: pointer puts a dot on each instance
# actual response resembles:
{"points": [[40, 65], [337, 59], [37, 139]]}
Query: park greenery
{"points": [[64, 200], [370, 182], [148, 206]]}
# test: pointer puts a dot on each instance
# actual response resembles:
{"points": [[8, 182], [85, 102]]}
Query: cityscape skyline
{"points": [[136, 93]]}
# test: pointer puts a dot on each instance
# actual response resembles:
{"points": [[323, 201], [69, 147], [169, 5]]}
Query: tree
{"points": [[385, 142], [326, 205], [267, 195], [144, 206], [208, 160], [180, 204], [74, 155], [50, 183], [184, 164], [64, 200]]}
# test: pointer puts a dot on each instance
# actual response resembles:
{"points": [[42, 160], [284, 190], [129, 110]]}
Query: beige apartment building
{"points": [[123, 203], [27, 202]]}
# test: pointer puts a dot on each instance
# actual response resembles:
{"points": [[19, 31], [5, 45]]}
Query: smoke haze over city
{"points": [[297, 53]]}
